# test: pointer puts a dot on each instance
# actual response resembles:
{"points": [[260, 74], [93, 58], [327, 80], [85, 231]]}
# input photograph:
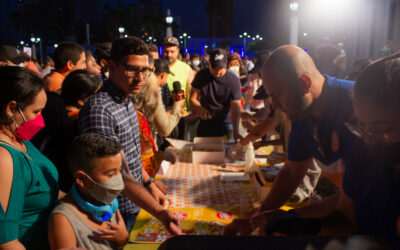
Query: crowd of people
{"points": [[82, 137]]}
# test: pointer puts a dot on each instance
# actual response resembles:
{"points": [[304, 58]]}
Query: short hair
{"points": [[380, 81], [79, 85], [88, 53], [47, 60], [86, 151], [234, 56], [67, 51], [152, 47], [151, 60], [18, 84], [128, 46], [161, 66], [357, 67], [103, 51], [195, 56]]}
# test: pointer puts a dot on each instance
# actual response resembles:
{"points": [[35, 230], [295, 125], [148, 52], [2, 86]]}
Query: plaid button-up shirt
{"points": [[111, 113]]}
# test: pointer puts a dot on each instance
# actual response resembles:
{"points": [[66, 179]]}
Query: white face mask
{"points": [[106, 191], [234, 69], [196, 63]]}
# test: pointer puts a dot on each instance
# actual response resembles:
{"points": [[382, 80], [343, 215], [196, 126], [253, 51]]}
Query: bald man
{"points": [[319, 106]]}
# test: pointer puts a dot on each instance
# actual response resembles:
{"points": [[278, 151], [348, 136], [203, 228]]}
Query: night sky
{"points": [[192, 16]]}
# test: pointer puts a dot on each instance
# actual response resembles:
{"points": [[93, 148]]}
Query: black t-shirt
{"points": [[216, 94]]}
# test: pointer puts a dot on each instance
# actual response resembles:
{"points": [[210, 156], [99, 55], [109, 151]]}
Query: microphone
{"points": [[177, 94]]}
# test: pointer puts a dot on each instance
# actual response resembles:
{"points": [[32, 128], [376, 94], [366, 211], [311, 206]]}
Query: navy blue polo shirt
{"points": [[216, 94], [375, 190], [327, 139]]}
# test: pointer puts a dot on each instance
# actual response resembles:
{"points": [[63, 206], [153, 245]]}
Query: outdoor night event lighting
{"points": [[328, 8], [121, 31], [169, 19], [294, 6], [333, 17], [294, 24]]}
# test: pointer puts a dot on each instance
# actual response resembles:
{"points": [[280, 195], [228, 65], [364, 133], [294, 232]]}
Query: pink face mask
{"points": [[29, 128]]}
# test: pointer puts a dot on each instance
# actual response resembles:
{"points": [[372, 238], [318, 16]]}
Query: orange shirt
{"points": [[31, 66], [53, 82], [147, 146]]}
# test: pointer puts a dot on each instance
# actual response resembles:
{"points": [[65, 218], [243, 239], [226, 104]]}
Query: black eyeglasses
{"points": [[355, 126], [379, 133], [132, 71]]}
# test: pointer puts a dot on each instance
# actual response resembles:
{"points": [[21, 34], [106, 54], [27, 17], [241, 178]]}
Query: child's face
{"points": [[107, 168]]}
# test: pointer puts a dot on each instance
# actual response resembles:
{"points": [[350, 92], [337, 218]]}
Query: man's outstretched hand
{"points": [[238, 227]]}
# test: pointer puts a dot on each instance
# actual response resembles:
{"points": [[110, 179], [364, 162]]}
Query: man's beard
{"points": [[171, 60]]}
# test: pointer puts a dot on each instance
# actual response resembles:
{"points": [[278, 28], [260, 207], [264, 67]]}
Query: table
{"points": [[199, 197]]}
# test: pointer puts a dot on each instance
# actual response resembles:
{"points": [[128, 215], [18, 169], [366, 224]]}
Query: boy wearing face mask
{"points": [[195, 62], [88, 216]]}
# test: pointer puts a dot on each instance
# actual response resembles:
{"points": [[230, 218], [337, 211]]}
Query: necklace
{"points": [[12, 137], [14, 140]]}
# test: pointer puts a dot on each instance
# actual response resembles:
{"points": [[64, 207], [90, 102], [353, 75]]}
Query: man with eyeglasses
{"points": [[111, 112], [319, 106]]}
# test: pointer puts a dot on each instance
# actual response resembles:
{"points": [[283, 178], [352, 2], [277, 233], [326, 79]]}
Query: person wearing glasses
{"points": [[318, 106], [371, 197], [111, 112], [369, 203]]}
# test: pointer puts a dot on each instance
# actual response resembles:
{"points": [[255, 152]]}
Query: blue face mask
{"points": [[100, 213]]}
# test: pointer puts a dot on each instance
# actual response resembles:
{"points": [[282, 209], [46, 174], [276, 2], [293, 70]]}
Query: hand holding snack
{"points": [[205, 114]]}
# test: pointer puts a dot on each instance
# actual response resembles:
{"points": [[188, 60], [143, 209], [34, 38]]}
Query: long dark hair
{"points": [[17, 84], [381, 81]]}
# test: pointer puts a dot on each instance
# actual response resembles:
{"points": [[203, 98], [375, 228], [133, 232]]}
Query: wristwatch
{"points": [[147, 183]]}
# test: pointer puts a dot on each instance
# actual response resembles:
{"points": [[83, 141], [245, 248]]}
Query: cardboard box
{"points": [[208, 150]]}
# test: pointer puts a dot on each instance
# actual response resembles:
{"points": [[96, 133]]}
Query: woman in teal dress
{"points": [[28, 180]]}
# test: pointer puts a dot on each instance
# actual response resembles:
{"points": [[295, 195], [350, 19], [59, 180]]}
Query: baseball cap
{"points": [[171, 40], [261, 94], [218, 58], [9, 52], [161, 65]]}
